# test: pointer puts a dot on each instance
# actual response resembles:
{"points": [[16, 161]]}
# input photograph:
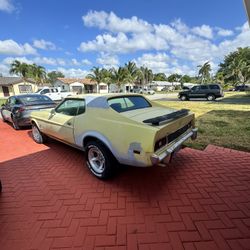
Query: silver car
{"points": [[17, 109]]}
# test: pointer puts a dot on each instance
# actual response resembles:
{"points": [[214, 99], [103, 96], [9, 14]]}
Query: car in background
{"points": [[242, 88], [112, 129], [208, 91], [148, 91], [17, 108], [53, 93]]}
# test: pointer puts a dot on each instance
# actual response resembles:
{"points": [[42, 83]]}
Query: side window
{"points": [[12, 101], [204, 87], [71, 107], [45, 91], [195, 88]]}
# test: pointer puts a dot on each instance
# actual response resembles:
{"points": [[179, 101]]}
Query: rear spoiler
{"points": [[157, 120]]}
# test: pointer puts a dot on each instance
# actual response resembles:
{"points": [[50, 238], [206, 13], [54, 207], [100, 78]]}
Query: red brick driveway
{"points": [[51, 201]]}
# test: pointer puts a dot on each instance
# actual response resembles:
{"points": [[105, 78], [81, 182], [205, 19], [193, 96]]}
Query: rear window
{"points": [[128, 103], [35, 99]]}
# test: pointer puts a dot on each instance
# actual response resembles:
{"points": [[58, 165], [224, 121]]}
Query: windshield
{"points": [[128, 103], [29, 99]]}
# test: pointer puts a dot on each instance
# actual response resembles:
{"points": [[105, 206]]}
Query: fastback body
{"points": [[125, 134]]}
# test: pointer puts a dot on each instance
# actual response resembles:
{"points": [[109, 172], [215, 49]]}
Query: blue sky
{"points": [[167, 36]]}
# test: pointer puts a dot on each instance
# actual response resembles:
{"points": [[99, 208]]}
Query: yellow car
{"points": [[127, 129]]}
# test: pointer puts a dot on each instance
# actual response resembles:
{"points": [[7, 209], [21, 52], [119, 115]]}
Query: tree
{"points": [[160, 77], [37, 72], [204, 72], [145, 75], [235, 68], [19, 68], [118, 76], [97, 76], [53, 75], [131, 72]]}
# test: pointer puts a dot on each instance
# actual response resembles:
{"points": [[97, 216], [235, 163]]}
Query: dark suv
{"points": [[208, 91]]}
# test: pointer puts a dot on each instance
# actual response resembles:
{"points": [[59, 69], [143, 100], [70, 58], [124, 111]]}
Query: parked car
{"points": [[54, 93], [18, 108], [148, 91], [208, 91], [127, 129], [242, 88]]}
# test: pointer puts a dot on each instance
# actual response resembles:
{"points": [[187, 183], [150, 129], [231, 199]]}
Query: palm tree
{"points": [[204, 71], [97, 76], [145, 76], [19, 68], [132, 73], [38, 73], [118, 76]]}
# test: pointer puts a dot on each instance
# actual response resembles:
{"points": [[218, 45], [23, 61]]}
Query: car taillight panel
{"points": [[160, 143]]}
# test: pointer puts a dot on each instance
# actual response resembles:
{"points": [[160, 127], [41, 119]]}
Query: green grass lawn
{"points": [[223, 123]]}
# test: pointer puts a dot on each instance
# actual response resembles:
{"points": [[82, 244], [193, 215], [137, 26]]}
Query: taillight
{"points": [[160, 143], [21, 109]]}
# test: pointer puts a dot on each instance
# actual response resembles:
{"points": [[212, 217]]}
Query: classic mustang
{"points": [[128, 129]]}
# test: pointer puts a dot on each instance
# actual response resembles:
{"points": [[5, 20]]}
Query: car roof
{"points": [[100, 100]]}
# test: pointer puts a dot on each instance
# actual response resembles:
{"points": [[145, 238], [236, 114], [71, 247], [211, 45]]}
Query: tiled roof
{"points": [[5, 81], [72, 80]]}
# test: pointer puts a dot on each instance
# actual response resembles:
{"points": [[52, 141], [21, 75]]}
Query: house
{"points": [[79, 86], [16, 85]]}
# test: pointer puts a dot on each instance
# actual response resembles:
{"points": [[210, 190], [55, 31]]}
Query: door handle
{"points": [[69, 123]]}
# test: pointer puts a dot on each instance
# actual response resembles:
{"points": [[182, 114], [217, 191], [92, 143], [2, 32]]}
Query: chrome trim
{"points": [[155, 159]]}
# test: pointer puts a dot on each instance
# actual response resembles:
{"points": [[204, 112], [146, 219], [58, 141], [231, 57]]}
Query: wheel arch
{"points": [[94, 136]]}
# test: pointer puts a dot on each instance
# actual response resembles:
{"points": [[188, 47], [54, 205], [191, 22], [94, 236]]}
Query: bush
{"points": [[2, 101]]}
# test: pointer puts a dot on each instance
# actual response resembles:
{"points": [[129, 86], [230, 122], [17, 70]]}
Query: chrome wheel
{"points": [[36, 134], [96, 159], [210, 97]]}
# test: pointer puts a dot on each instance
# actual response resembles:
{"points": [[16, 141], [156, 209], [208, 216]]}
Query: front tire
{"points": [[210, 97], [4, 120], [15, 123], [99, 160], [38, 137], [183, 98]]}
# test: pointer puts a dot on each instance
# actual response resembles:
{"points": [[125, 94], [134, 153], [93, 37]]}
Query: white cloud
{"points": [[124, 44], [107, 60], [4, 70], [86, 62], [9, 60], [72, 72], [10, 47], [162, 63], [113, 23], [45, 45], [203, 31], [224, 32], [6, 5]]}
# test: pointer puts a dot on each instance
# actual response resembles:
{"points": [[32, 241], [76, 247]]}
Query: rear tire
{"points": [[210, 97], [38, 137], [99, 160]]}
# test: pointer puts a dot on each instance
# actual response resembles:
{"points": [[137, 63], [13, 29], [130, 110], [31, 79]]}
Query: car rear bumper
{"points": [[164, 156]]}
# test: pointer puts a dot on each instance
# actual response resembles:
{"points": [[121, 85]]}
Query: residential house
{"points": [[79, 86], [16, 85]]}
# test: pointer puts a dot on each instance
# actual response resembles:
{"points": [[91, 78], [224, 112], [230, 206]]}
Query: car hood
{"points": [[184, 92]]}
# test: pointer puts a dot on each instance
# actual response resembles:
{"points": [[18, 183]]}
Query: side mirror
{"points": [[52, 112]]}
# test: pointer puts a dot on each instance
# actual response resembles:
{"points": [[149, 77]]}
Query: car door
{"points": [[204, 91], [61, 120], [194, 92], [7, 109]]}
